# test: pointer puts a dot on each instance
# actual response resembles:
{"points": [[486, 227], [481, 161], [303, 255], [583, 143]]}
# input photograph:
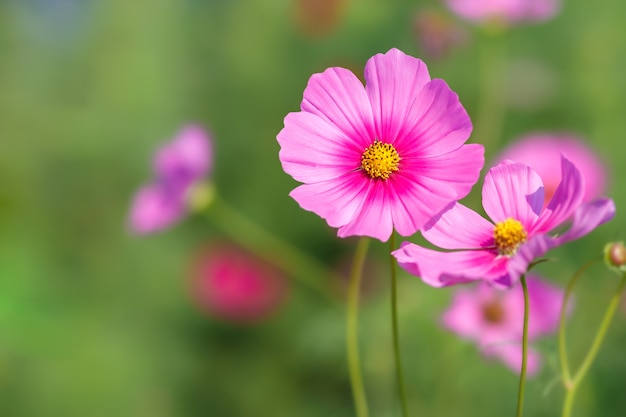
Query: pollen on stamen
{"points": [[509, 235], [380, 160]]}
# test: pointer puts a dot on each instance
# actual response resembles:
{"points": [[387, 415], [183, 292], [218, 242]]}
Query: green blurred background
{"points": [[96, 322]]}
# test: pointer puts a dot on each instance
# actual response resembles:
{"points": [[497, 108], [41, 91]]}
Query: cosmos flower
{"points": [[541, 151], [505, 11], [384, 156], [178, 166], [494, 319], [231, 284], [522, 229]]}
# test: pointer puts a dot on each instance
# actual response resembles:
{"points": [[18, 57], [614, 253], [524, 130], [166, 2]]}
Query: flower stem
{"points": [[522, 377], [280, 253], [352, 340], [394, 327], [563, 356], [595, 348]]}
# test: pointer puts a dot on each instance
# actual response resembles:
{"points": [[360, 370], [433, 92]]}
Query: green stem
{"points": [[563, 356], [522, 377], [352, 342], [394, 326], [308, 270], [595, 347]]}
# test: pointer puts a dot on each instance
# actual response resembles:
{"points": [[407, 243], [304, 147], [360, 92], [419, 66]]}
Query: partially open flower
{"points": [[179, 166], [493, 319]]}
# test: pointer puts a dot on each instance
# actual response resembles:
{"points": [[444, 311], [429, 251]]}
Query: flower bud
{"points": [[615, 255]]}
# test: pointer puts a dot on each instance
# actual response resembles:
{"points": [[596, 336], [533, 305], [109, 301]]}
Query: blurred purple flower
{"points": [[505, 11], [178, 165], [541, 151], [522, 229], [230, 284], [494, 319]]}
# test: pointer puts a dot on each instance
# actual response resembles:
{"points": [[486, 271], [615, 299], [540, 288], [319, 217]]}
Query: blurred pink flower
{"points": [[541, 151], [390, 155], [522, 228], [505, 11], [233, 285], [177, 166], [494, 319], [437, 33]]}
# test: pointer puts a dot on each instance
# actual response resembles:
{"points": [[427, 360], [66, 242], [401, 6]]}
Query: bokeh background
{"points": [[97, 322]]}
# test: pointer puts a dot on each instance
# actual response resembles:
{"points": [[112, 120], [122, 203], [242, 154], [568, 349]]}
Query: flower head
{"points": [[233, 285], [505, 11], [522, 229], [178, 166], [493, 319], [540, 151], [384, 156]]}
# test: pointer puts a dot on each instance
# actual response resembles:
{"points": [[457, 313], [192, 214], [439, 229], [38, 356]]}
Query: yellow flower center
{"points": [[380, 160], [509, 234], [493, 312]]}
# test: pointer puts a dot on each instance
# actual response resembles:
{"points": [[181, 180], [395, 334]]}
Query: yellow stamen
{"points": [[508, 235], [380, 160]]}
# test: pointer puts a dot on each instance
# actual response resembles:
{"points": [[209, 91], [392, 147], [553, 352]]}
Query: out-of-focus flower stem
{"points": [[352, 339], [394, 327], [522, 377], [280, 253], [572, 384]]}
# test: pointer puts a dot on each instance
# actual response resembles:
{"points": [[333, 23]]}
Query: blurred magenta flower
{"points": [[178, 166], [505, 11], [501, 252], [540, 151], [233, 285], [493, 319], [390, 155]]}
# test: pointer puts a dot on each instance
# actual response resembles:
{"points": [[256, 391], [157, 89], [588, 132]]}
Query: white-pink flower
{"points": [[506, 11], [493, 319], [386, 156]]}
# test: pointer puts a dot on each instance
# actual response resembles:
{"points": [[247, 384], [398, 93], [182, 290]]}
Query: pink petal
{"points": [[464, 317], [373, 217], [439, 269], [189, 154], [513, 190], [393, 82], [459, 228], [589, 216], [545, 307], [567, 198], [155, 208], [511, 355], [435, 124], [337, 96], [314, 150]]}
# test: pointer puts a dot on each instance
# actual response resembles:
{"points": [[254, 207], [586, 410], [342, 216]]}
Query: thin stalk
{"points": [[563, 356], [280, 253], [352, 339], [394, 327], [595, 347], [522, 377]]}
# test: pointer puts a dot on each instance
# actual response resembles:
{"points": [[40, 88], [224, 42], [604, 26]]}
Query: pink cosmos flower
{"points": [[506, 11], [494, 319], [233, 285], [522, 228], [384, 156], [541, 151], [178, 165]]}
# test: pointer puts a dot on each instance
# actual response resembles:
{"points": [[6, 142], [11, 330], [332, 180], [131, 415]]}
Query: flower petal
{"points": [[459, 227], [187, 158], [513, 190], [439, 269], [567, 198], [154, 207], [314, 150], [373, 217], [337, 96], [588, 217], [436, 123], [511, 354], [393, 82]]}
